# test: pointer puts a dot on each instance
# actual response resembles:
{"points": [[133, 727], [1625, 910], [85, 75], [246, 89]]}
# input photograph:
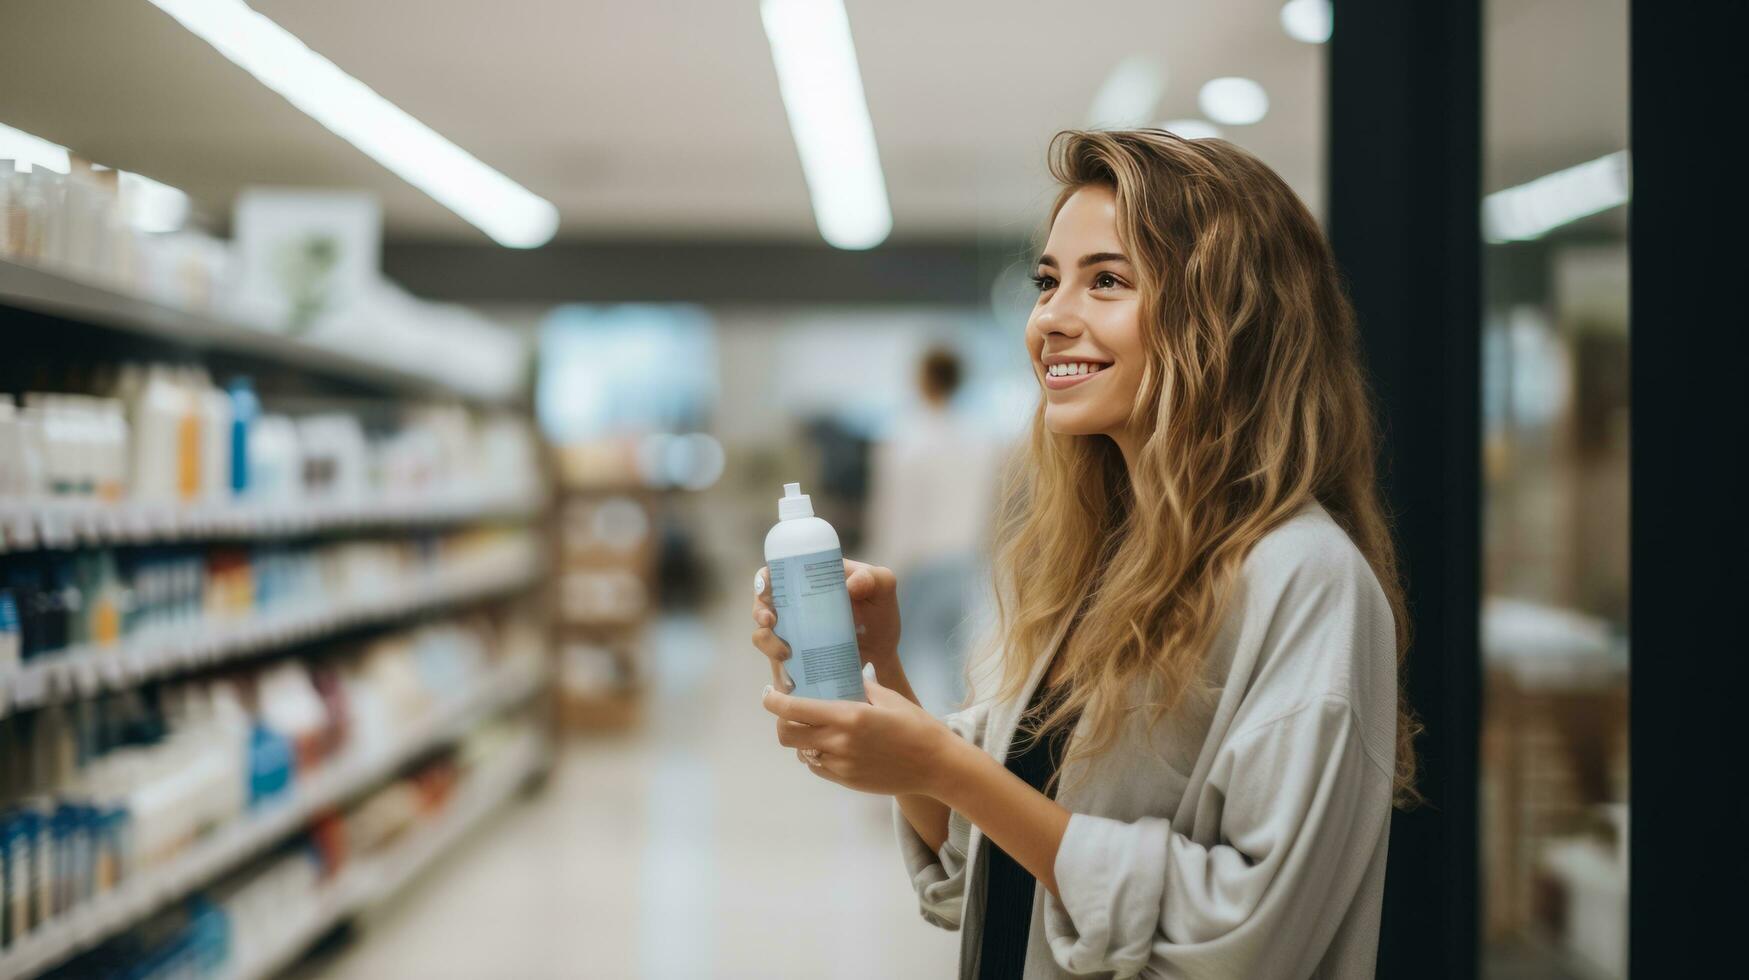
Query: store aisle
{"points": [[694, 848]]}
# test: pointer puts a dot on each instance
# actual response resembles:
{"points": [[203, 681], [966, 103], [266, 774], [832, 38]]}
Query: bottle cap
{"points": [[794, 503]]}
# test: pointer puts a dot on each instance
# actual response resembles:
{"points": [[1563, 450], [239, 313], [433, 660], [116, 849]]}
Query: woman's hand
{"points": [[889, 745], [874, 605]]}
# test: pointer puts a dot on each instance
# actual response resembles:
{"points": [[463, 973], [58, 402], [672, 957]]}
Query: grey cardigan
{"points": [[1244, 836]]}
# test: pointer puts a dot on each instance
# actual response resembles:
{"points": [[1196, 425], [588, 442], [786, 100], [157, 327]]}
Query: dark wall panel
{"points": [[1404, 144], [1687, 222]]}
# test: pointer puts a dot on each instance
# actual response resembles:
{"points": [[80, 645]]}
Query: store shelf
{"points": [[28, 525], [83, 672], [141, 896], [372, 880], [40, 290]]}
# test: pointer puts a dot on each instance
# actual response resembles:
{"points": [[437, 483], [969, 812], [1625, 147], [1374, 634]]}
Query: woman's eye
{"points": [[1044, 284], [1106, 280]]}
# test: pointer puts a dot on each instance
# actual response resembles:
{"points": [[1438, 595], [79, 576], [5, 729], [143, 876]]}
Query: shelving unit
{"points": [[605, 571], [25, 526], [373, 880], [40, 290], [83, 672], [139, 897], [313, 369]]}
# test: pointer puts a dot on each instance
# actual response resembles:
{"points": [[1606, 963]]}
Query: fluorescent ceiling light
{"points": [[1307, 20], [28, 152], [148, 205], [1192, 129], [1532, 210], [1128, 95], [1234, 101], [821, 86], [485, 198]]}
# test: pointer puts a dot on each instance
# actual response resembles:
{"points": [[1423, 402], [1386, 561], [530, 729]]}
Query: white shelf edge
{"points": [[29, 525], [83, 672], [376, 879], [141, 896], [46, 291]]}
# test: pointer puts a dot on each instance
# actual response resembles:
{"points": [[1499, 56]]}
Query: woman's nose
{"points": [[1062, 324], [1058, 318]]}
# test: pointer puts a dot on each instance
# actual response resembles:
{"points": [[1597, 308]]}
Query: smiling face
{"points": [[1085, 332]]}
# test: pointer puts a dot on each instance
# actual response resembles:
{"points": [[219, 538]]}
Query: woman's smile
{"points": [[1068, 374]]}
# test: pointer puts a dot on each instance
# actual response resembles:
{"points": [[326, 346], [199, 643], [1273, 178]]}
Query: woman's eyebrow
{"points": [[1047, 260], [1094, 258]]}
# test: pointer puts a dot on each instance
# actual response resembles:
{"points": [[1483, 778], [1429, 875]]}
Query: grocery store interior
{"points": [[396, 396]]}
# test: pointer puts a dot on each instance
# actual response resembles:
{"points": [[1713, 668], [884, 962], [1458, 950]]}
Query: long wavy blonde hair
{"points": [[1253, 401]]}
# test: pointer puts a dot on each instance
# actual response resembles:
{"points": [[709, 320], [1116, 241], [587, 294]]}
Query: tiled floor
{"points": [[695, 848]]}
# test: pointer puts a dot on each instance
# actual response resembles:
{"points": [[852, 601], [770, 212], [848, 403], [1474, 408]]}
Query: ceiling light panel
{"points": [[821, 85], [413, 151], [1307, 20], [1233, 101]]}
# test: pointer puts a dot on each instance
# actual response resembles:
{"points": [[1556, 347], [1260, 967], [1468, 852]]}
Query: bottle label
{"points": [[813, 617]]}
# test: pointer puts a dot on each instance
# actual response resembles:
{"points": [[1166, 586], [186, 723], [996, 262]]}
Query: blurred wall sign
{"points": [[304, 253]]}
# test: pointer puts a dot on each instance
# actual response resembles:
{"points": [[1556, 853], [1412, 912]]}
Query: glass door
{"points": [[1554, 769]]}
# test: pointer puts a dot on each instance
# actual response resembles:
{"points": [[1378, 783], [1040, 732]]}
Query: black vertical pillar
{"points": [[1690, 398], [1404, 205]]}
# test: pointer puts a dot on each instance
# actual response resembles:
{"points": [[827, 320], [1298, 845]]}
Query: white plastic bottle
{"points": [[812, 604]]}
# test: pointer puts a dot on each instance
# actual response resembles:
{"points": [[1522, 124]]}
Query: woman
{"points": [[1201, 623]]}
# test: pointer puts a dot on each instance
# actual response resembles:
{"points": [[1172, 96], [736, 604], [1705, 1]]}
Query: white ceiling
{"points": [[652, 119], [661, 118]]}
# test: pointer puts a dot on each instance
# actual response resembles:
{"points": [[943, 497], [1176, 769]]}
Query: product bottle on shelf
{"points": [[274, 460], [216, 441], [158, 422], [113, 471], [11, 634], [32, 466], [11, 444], [190, 425], [244, 408]]}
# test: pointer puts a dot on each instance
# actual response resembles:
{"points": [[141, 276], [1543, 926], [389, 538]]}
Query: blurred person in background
{"points": [[1190, 731], [934, 494]]}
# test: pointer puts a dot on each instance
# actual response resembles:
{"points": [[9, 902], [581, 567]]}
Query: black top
{"points": [[1008, 887]]}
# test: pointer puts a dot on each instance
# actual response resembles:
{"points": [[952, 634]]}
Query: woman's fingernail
{"points": [[763, 693], [759, 582], [868, 672], [861, 628]]}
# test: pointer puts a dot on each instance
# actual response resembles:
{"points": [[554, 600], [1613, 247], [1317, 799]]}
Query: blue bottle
{"points": [[244, 408], [270, 765]]}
